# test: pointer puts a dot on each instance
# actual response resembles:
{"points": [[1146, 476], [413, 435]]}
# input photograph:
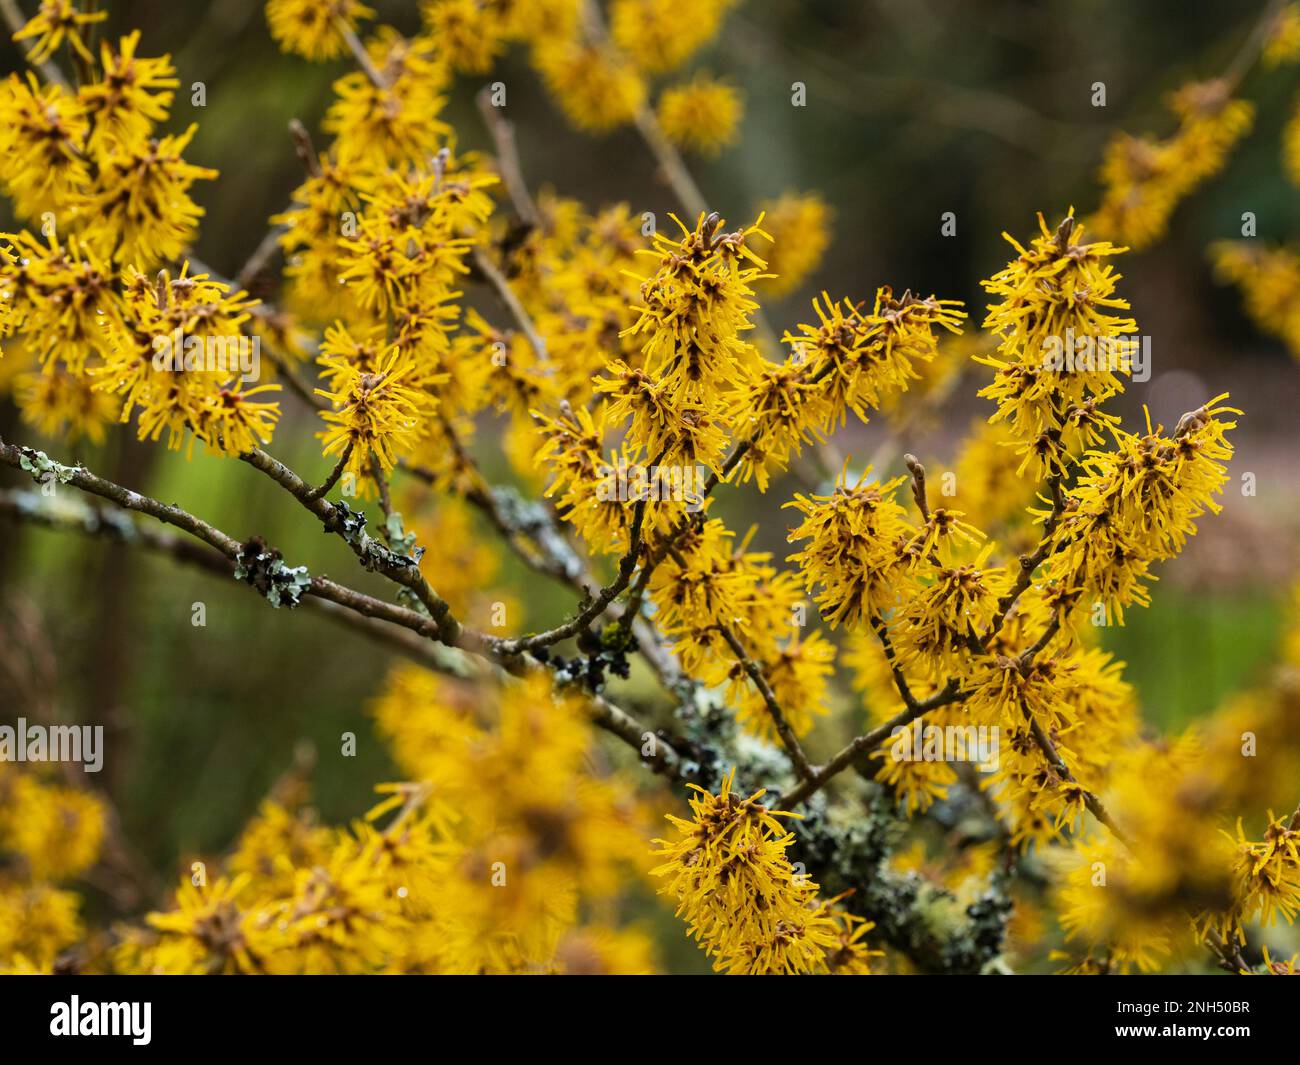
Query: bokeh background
{"points": [[915, 108]]}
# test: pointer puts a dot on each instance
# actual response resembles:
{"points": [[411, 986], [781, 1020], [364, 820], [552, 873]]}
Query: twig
{"points": [[266, 248], [887, 645], [359, 52], [917, 471], [397, 568], [502, 131], [80, 477], [671, 164], [864, 744], [485, 266], [594, 608], [1090, 800], [225, 544], [381, 483], [304, 148], [333, 478], [296, 385], [1030, 563], [791, 742], [393, 627], [1253, 45]]}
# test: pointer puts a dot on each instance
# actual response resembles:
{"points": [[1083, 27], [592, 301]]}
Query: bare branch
{"points": [[783, 729], [502, 131], [485, 266]]}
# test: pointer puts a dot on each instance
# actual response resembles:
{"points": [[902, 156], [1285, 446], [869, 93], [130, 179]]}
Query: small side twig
{"points": [[788, 739], [502, 131], [485, 266], [333, 478]]}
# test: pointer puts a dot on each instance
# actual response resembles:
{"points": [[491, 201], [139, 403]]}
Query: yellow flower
{"points": [[703, 114], [1145, 179], [211, 930], [177, 352], [860, 358], [599, 951], [1283, 44], [596, 89], [274, 842], [310, 28], [1138, 504], [797, 674], [54, 22], [470, 34], [228, 424], [1064, 348], [705, 583], [660, 35], [695, 308], [1269, 280], [132, 95], [62, 297], [58, 831], [800, 228], [854, 558], [37, 922], [59, 403], [1093, 911], [533, 833], [787, 408], [736, 889], [41, 134], [139, 207], [397, 123], [375, 414], [938, 628], [1266, 876]]}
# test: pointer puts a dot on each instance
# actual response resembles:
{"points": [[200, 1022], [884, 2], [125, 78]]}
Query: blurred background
{"points": [[915, 108]]}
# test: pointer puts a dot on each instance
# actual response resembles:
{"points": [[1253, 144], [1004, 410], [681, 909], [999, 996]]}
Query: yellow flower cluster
{"points": [[1283, 43], [49, 833], [313, 29], [695, 386], [1269, 281], [702, 114], [377, 240], [799, 227], [111, 197], [1137, 505], [182, 393], [660, 35], [743, 900], [1152, 900], [928, 600], [1054, 297], [487, 862], [1145, 179]]}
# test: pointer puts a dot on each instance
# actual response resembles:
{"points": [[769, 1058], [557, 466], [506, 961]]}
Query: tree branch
{"points": [[783, 729]]}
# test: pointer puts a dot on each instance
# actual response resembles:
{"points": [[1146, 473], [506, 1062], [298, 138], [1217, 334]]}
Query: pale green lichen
{"points": [[43, 468], [265, 571]]}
